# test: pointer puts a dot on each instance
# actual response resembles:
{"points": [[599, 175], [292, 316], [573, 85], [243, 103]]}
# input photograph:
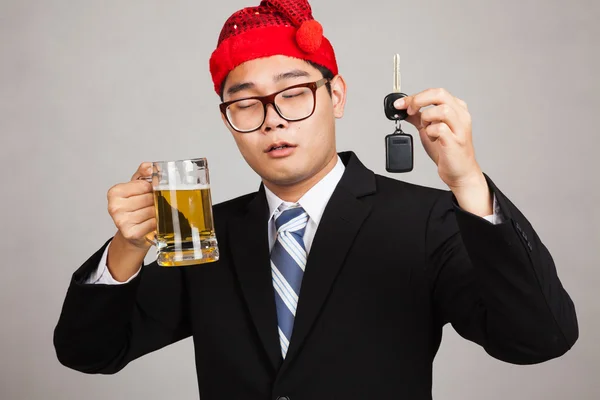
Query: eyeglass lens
{"points": [[293, 104]]}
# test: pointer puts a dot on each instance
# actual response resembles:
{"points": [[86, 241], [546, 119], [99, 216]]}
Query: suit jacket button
{"points": [[283, 398]]}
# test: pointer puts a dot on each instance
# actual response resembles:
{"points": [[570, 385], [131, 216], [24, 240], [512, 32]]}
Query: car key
{"points": [[392, 112], [398, 145]]}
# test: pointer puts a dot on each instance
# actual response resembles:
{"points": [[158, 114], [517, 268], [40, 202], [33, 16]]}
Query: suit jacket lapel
{"points": [[341, 221], [250, 252]]}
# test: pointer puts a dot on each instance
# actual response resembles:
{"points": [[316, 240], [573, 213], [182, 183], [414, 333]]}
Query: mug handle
{"points": [[152, 238]]}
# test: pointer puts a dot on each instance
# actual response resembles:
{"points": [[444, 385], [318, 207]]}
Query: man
{"points": [[333, 282]]}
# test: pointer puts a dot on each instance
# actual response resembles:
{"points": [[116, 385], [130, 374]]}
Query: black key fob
{"points": [[398, 152]]}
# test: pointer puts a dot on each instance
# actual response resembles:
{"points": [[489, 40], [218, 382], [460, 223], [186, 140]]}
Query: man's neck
{"points": [[293, 193]]}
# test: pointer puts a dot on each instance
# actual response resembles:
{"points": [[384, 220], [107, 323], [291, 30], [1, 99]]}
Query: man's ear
{"points": [[338, 95]]}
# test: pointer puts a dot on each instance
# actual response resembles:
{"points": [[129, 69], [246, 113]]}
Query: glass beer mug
{"points": [[185, 233]]}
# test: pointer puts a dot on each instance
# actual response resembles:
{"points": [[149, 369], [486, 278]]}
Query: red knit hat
{"points": [[275, 27]]}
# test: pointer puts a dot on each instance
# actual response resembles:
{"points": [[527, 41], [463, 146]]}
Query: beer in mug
{"points": [[185, 233]]}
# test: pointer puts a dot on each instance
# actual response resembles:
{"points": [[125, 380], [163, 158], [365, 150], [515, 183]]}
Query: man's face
{"points": [[311, 141]]}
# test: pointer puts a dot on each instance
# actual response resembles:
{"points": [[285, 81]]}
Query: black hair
{"points": [[326, 72]]}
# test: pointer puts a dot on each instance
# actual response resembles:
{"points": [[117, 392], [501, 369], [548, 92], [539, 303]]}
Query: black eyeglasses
{"points": [[293, 103]]}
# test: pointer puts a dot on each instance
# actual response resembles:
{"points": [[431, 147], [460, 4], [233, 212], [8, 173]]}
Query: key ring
{"points": [[398, 128]]}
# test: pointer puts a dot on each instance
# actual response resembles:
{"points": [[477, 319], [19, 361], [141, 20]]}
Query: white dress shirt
{"points": [[313, 202]]}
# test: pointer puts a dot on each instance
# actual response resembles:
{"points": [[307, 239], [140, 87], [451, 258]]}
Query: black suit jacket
{"points": [[390, 264]]}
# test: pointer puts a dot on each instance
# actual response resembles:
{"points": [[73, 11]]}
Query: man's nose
{"points": [[273, 120]]}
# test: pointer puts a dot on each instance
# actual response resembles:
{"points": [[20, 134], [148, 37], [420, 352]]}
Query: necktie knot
{"points": [[293, 219]]}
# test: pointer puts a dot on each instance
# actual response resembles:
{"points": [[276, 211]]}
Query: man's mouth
{"points": [[278, 146], [285, 146]]}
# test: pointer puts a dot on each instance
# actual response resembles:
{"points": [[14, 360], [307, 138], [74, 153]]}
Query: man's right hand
{"points": [[131, 206]]}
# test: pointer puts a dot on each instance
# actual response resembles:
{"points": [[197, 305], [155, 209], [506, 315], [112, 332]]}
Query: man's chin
{"points": [[288, 180], [287, 177]]}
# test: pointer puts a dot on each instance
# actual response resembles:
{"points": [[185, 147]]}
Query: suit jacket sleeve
{"points": [[497, 284], [103, 327]]}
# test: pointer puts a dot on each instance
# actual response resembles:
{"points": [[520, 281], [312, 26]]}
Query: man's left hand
{"points": [[445, 131]]}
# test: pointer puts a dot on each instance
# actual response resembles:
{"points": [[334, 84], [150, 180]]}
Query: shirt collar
{"points": [[313, 201]]}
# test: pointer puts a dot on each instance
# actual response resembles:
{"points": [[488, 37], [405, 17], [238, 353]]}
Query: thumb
{"points": [[144, 170]]}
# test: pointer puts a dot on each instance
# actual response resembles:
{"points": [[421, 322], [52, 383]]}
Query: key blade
{"points": [[397, 81]]}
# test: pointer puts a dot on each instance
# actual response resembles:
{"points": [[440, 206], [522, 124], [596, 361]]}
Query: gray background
{"points": [[88, 90]]}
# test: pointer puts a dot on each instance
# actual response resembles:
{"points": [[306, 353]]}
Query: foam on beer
{"points": [[180, 186]]}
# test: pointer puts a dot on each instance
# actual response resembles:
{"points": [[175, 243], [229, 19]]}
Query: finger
{"points": [[415, 120], [139, 202], [439, 131], [121, 210], [142, 215], [462, 103], [145, 169], [442, 113], [139, 231], [429, 97], [119, 206], [129, 189]]}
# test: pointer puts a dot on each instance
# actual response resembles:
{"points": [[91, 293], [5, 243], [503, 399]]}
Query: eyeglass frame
{"points": [[270, 99]]}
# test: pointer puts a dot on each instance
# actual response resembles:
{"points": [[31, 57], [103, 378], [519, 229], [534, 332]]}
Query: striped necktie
{"points": [[288, 260]]}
